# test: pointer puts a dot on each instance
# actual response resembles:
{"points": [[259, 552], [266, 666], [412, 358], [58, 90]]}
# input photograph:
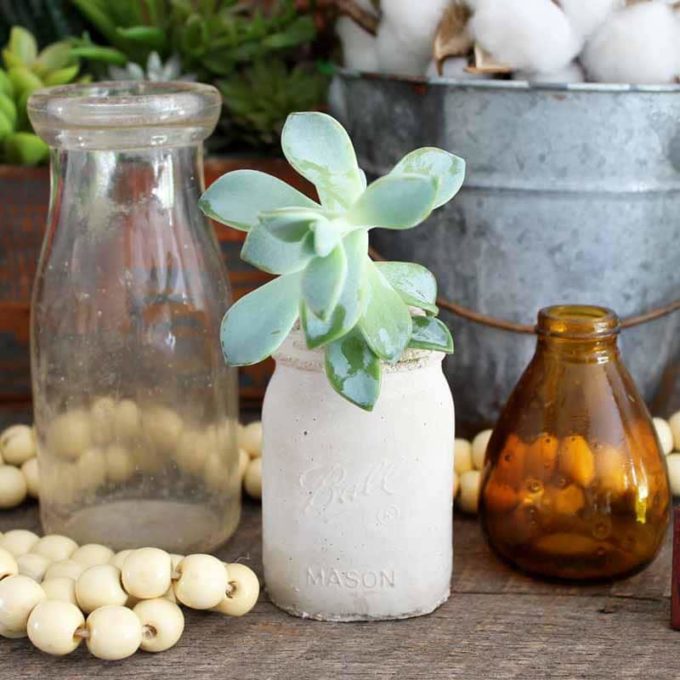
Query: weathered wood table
{"points": [[497, 625]]}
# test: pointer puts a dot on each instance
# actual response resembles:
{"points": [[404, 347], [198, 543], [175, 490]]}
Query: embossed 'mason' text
{"points": [[351, 578]]}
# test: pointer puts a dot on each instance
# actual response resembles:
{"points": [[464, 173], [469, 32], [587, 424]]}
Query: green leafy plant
{"points": [[25, 70], [259, 58], [358, 310]]}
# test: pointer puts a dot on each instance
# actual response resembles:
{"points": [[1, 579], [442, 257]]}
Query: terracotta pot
{"points": [[24, 197]]}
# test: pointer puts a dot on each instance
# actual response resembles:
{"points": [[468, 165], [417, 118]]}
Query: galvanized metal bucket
{"points": [[572, 195]]}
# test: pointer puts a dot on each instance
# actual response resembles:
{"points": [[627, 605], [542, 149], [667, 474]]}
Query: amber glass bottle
{"points": [[575, 484]]}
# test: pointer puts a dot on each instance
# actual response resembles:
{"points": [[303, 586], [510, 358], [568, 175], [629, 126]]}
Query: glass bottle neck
{"points": [[598, 351], [99, 189]]}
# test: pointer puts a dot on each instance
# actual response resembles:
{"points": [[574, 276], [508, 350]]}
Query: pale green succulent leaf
{"points": [[350, 304], [430, 333], [54, 57], [22, 48], [256, 325], [448, 171], [395, 202], [62, 76], [290, 224], [386, 321], [327, 235], [238, 198], [353, 370], [323, 281], [415, 284], [272, 255], [320, 149]]}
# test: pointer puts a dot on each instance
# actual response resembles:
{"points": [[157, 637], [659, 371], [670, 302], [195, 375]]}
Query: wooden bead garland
{"points": [[59, 594]]}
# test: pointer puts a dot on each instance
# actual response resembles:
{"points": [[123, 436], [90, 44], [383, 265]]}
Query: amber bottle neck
{"points": [[578, 333]]}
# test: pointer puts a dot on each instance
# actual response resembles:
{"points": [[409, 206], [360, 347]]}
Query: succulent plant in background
{"points": [[357, 310], [258, 53], [26, 70], [156, 70]]}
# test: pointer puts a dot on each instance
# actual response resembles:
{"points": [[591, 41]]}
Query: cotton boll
{"points": [[530, 35], [359, 48], [637, 45], [572, 73], [406, 34], [586, 16]]}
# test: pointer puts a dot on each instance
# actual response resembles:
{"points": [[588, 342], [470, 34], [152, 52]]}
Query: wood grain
{"points": [[498, 625]]}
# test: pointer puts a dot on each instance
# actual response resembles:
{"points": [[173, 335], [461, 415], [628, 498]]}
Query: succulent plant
{"points": [[156, 70], [258, 53], [26, 70], [357, 310]]}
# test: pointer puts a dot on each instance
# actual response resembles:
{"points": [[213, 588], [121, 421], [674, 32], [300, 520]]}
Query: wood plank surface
{"points": [[498, 625]]}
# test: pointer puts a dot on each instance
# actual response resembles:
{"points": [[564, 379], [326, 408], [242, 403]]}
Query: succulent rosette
{"points": [[360, 312]]}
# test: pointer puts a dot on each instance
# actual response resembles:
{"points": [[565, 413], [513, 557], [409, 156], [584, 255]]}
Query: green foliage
{"points": [[48, 20], [26, 69], [257, 58], [356, 309]]}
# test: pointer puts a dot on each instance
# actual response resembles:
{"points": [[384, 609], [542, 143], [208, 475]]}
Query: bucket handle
{"points": [[527, 329]]}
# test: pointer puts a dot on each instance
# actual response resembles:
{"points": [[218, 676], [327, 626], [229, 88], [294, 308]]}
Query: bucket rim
{"points": [[508, 85]]}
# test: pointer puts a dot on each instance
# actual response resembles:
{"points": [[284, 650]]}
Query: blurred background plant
{"points": [[265, 56], [25, 70]]}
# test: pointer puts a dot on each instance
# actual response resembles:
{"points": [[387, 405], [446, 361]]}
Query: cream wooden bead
{"points": [[8, 564], [191, 452], [100, 586], [673, 463], [69, 434], [18, 595], [119, 558], [92, 554], [55, 547], [18, 541], [462, 456], [242, 592], [17, 444], [91, 468], [33, 566], [31, 472], [674, 422], [60, 588], [243, 463], [250, 439], [127, 420], [252, 482], [113, 633], [216, 472], [162, 624], [202, 582], [13, 489], [456, 484], [102, 415], [65, 569], [53, 626], [147, 573], [468, 500], [120, 465], [665, 435], [163, 426], [479, 445]]}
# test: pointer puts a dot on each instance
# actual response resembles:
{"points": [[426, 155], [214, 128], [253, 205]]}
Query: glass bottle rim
{"points": [[578, 322], [104, 114]]}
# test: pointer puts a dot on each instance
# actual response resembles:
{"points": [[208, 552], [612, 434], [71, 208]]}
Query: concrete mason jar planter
{"points": [[357, 506]]}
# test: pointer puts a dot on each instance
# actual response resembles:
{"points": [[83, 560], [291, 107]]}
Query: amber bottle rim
{"points": [[578, 322]]}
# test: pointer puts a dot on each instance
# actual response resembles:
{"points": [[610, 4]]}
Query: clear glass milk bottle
{"points": [[135, 410]]}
